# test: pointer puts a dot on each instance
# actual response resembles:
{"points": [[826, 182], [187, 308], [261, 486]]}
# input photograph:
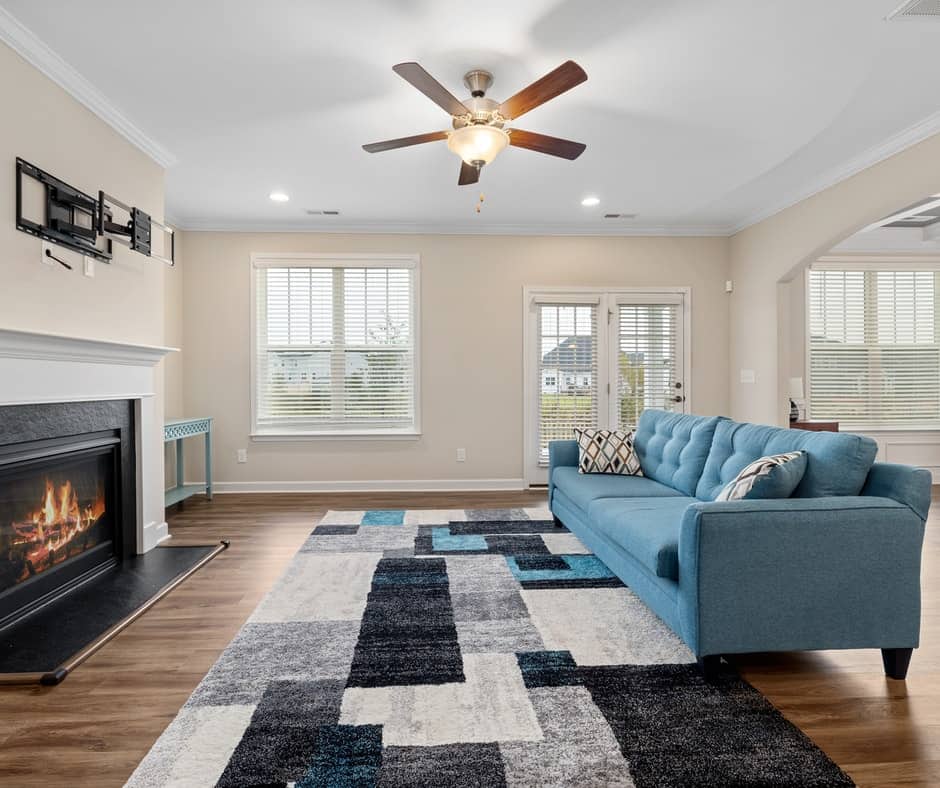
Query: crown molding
{"points": [[895, 144], [428, 228], [38, 54]]}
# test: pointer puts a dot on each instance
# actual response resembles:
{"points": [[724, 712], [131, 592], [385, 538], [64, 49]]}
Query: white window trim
{"points": [[261, 260], [604, 298], [867, 261]]}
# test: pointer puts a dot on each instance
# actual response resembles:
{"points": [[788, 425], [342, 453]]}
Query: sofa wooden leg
{"points": [[710, 666], [558, 523], [896, 662]]}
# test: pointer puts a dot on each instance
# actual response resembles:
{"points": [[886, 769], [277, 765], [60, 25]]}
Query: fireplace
{"points": [[67, 513]]}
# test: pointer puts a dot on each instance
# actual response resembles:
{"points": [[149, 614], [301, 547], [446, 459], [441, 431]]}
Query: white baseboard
{"points": [[154, 533], [427, 485]]}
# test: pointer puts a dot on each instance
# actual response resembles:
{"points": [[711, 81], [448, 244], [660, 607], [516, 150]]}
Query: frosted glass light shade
{"points": [[477, 143]]}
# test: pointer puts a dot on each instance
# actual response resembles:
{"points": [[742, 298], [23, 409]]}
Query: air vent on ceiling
{"points": [[916, 9], [620, 216], [324, 212]]}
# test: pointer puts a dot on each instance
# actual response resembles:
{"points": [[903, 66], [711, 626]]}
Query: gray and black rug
{"points": [[467, 648]]}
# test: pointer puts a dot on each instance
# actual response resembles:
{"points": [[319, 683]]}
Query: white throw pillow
{"points": [[774, 476]]}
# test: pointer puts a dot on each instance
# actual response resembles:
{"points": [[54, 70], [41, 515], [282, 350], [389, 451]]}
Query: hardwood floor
{"points": [[93, 729]]}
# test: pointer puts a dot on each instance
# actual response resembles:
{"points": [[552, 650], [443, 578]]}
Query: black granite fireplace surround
{"points": [[68, 507]]}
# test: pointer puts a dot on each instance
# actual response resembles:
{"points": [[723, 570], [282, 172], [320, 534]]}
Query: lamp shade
{"points": [[475, 144], [796, 388]]}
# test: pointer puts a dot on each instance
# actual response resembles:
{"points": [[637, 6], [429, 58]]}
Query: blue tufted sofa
{"points": [[836, 566]]}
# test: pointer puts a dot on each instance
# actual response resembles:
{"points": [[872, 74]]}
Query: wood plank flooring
{"points": [[93, 729]]}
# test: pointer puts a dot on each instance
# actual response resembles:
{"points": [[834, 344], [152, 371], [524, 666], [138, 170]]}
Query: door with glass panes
{"points": [[599, 359]]}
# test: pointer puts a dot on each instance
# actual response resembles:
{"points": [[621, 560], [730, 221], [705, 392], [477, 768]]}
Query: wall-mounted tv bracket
{"points": [[136, 231], [70, 217]]}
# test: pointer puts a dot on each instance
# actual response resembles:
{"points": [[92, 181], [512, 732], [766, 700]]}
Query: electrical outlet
{"points": [[242, 455], [748, 376], [89, 265], [461, 455]]}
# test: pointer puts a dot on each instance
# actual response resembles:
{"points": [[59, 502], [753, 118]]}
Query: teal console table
{"points": [[175, 431]]}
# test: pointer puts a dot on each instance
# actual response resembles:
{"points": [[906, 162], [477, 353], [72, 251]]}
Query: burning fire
{"points": [[58, 520]]}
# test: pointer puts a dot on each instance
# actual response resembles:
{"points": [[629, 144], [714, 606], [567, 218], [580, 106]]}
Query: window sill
{"points": [[847, 427], [269, 437]]}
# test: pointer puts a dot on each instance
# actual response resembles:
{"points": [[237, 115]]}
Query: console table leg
{"points": [[180, 475], [209, 465]]}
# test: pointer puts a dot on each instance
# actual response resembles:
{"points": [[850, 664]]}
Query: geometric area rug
{"points": [[467, 648]]}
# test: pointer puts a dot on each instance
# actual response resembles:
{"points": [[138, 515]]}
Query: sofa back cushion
{"points": [[673, 447], [837, 462]]}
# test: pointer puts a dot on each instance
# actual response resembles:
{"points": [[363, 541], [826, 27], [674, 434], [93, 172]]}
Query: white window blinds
{"points": [[567, 371], [335, 348], [873, 347], [648, 367]]}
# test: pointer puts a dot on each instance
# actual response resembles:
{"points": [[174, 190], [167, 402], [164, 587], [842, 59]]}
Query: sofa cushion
{"points": [[776, 476], [673, 447], [647, 528], [582, 488], [837, 463]]}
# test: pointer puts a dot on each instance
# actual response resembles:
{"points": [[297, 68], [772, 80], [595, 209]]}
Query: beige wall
{"points": [[48, 128], [773, 251], [471, 342], [125, 300]]}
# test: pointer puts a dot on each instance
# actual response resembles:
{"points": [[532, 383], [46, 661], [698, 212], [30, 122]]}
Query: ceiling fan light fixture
{"points": [[477, 143]]}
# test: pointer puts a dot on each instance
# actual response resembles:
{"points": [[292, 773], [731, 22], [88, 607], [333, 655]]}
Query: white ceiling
{"points": [[697, 115]]}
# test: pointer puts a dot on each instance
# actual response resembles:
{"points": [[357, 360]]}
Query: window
{"points": [[567, 346], [648, 366], [335, 346], [599, 359], [874, 355]]}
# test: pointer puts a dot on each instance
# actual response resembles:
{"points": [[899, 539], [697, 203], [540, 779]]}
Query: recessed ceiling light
{"points": [[590, 202], [279, 197]]}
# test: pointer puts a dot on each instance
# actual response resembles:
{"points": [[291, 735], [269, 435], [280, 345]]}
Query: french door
{"points": [[599, 359]]}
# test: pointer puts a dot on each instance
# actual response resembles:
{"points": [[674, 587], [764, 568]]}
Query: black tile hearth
{"points": [[43, 642]]}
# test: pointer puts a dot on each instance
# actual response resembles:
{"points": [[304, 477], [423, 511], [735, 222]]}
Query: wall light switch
{"points": [[461, 455], [748, 376], [242, 455], [89, 263]]}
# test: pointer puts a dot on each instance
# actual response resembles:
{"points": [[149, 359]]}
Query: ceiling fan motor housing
{"points": [[479, 111]]}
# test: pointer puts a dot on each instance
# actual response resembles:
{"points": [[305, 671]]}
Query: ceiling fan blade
{"points": [[554, 83], [434, 90], [542, 143], [404, 142], [468, 174]]}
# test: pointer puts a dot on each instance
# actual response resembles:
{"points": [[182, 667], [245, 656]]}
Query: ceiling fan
{"points": [[479, 134]]}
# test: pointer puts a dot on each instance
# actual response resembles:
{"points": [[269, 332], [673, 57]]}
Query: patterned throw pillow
{"points": [[607, 451], [776, 476]]}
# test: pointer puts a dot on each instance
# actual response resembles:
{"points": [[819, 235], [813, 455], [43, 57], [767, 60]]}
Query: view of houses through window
{"points": [[335, 349], [602, 361]]}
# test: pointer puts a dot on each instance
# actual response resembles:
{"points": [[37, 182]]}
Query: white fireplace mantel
{"points": [[39, 368]]}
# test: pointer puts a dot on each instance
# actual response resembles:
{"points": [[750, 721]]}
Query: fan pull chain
{"points": [[480, 202]]}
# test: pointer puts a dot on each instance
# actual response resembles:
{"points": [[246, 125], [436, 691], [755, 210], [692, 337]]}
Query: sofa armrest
{"points": [[902, 483], [560, 453], [799, 573]]}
